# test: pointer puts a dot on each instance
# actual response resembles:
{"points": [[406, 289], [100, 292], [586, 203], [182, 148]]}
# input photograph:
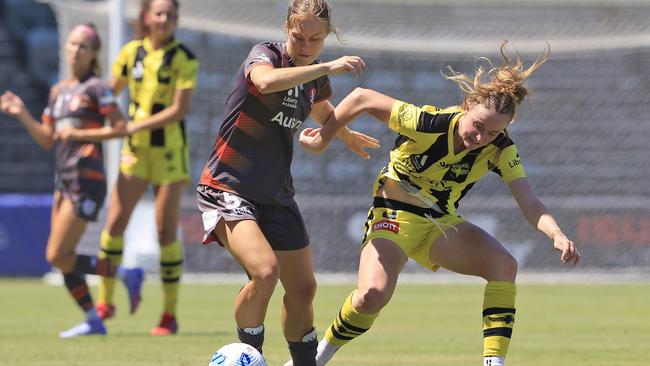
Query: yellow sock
{"points": [[110, 247], [171, 268], [498, 317], [348, 324]]}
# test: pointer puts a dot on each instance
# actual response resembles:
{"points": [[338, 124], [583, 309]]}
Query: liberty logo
{"points": [[291, 99]]}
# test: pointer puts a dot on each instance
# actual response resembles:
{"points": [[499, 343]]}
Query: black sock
{"points": [[78, 288], [85, 264], [255, 340], [304, 353]]}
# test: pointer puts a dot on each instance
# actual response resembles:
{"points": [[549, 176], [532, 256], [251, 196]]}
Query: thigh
{"points": [[296, 270], [67, 228], [126, 193], [380, 263], [468, 250], [57, 198], [247, 244], [283, 226]]}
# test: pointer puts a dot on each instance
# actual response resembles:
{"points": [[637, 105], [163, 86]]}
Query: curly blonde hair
{"points": [[301, 9], [504, 89]]}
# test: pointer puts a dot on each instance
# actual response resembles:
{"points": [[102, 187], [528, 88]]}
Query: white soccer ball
{"points": [[237, 354]]}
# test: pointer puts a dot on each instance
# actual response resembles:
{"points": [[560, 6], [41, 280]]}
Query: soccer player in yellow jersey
{"points": [[439, 154], [160, 73]]}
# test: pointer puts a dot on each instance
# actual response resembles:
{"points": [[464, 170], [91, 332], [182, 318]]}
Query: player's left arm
{"points": [[538, 216], [174, 113], [356, 141]]}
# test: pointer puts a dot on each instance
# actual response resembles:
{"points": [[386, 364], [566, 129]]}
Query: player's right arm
{"points": [[121, 67], [360, 100], [268, 79], [42, 133]]}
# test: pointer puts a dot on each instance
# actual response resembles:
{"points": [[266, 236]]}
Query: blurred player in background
{"points": [[160, 73], [438, 156], [73, 123], [246, 192]]}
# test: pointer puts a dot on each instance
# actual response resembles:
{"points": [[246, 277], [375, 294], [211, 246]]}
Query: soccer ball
{"points": [[237, 354]]}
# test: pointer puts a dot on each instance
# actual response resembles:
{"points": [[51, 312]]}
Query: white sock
{"points": [[493, 361], [325, 352]]}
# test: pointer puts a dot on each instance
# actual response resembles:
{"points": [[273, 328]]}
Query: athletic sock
{"points": [[85, 264], [77, 287], [110, 248], [498, 318], [303, 353], [253, 336], [349, 324], [171, 269]]}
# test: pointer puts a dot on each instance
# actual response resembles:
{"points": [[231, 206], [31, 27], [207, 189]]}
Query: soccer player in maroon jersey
{"points": [[246, 193], [73, 124]]}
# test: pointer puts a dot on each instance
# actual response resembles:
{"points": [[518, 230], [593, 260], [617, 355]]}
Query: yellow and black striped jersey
{"points": [[153, 76], [423, 158]]}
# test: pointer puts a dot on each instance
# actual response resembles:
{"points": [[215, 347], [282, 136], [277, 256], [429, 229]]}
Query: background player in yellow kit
{"points": [[160, 73]]}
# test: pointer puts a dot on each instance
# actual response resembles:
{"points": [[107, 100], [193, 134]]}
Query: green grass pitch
{"points": [[437, 324]]}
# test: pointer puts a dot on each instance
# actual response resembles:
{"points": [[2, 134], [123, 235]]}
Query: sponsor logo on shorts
{"points": [[387, 225], [88, 207], [241, 211]]}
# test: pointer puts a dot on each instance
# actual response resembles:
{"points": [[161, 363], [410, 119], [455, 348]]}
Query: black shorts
{"points": [[282, 226], [87, 196]]}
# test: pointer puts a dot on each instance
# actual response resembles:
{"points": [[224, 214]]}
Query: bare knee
{"points": [[63, 261], [302, 295], [502, 268], [265, 277], [371, 300]]}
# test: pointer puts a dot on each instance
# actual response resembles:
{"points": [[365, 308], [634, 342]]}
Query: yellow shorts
{"points": [[158, 165], [410, 227]]}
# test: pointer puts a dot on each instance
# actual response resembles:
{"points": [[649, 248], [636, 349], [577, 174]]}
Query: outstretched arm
{"points": [[358, 101], [42, 133], [538, 216], [356, 141]]}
